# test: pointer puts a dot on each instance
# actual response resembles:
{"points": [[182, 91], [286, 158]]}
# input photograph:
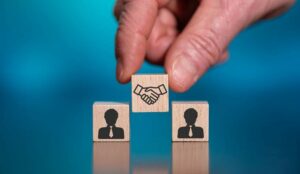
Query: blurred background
{"points": [[57, 58]]}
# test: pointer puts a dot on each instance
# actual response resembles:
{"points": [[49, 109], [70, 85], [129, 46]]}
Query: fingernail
{"points": [[184, 72], [120, 70]]}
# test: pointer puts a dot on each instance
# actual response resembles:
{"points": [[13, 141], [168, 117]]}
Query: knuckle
{"points": [[117, 9], [205, 46], [136, 15], [127, 19]]}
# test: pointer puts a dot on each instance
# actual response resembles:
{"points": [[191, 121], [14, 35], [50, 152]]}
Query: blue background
{"points": [[57, 58]]}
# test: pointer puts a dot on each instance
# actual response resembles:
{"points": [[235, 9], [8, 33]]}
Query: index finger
{"points": [[135, 24]]}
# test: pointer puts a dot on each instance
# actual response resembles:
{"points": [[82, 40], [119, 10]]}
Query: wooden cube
{"points": [[111, 157], [110, 121], [150, 93], [190, 157], [190, 121]]}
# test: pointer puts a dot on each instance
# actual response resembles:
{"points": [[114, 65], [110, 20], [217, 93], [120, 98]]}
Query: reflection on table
{"points": [[111, 158], [150, 169], [190, 157]]}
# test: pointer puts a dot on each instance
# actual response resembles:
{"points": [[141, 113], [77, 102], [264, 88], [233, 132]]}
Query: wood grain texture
{"points": [[150, 80], [190, 157], [179, 122], [111, 157], [99, 109]]}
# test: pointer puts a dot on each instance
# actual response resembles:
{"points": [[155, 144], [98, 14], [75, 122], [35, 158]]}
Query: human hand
{"points": [[187, 36]]}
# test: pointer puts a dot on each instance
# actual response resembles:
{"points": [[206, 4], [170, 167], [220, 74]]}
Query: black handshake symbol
{"points": [[150, 95]]}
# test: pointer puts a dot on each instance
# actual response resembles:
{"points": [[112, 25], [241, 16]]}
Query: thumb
{"points": [[203, 43]]}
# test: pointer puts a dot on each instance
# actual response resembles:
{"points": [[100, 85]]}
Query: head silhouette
{"points": [[111, 117], [190, 116]]}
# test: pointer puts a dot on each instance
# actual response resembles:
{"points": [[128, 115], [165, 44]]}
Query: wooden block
{"points": [[190, 121], [110, 121], [190, 157], [150, 93], [111, 157]]}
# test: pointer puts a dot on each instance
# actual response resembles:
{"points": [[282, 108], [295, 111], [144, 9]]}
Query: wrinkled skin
{"points": [[185, 36]]}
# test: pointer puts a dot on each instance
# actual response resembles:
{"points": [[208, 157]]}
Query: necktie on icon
{"points": [[190, 131], [111, 134]]}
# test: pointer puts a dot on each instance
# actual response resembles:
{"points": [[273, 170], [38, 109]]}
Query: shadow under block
{"points": [[190, 157], [111, 157], [111, 121], [190, 121], [150, 93]]}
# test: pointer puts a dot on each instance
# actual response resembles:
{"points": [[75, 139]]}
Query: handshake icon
{"points": [[150, 94]]}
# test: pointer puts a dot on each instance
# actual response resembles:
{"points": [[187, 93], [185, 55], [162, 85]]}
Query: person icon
{"points": [[111, 131], [190, 130]]}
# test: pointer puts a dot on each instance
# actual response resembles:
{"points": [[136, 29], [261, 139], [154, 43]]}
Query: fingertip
{"points": [[130, 52], [178, 82], [122, 77], [177, 86], [183, 71]]}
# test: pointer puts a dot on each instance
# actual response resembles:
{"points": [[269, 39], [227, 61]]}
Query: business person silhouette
{"points": [[111, 131], [190, 130]]}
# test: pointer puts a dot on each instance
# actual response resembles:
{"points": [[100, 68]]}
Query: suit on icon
{"points": [[111, 132], [190, 132]]}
